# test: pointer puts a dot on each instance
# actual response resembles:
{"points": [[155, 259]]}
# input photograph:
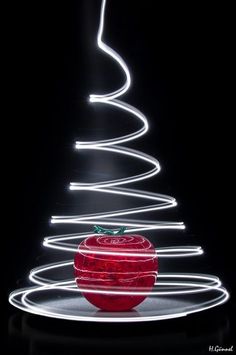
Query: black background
{"points": [[180, 56]]}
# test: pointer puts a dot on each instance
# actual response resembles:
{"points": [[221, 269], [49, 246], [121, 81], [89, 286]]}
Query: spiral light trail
{"points": [[167, 284]]}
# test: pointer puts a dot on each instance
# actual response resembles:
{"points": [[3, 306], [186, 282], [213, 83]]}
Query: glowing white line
{"points": [[111, 146], [104, 47], [161, 252], [195, 283], [124, 106], [213, 281], [27, 305]]}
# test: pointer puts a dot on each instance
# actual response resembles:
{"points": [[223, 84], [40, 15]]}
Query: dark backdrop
{"points": [[180, 56]]}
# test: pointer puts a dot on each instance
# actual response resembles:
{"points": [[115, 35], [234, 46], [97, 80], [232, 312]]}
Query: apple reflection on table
{"points": [[192, 335]]}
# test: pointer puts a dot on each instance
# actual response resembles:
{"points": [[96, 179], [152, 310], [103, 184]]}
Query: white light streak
{"points": [[166, 284], [197, 284]]}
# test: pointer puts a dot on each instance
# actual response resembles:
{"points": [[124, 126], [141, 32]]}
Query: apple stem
{"points": [[100, 230]]}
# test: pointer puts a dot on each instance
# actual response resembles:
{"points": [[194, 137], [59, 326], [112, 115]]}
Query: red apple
{"points": [[103, 263]]}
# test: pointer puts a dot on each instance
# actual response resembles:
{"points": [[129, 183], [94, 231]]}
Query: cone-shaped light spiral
{"points": [[206, 289]]}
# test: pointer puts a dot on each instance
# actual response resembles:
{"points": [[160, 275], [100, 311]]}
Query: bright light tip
{"points": [[91, 98]]}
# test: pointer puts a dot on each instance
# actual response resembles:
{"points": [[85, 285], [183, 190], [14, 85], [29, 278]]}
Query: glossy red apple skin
{"points": [[100, 264]]}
